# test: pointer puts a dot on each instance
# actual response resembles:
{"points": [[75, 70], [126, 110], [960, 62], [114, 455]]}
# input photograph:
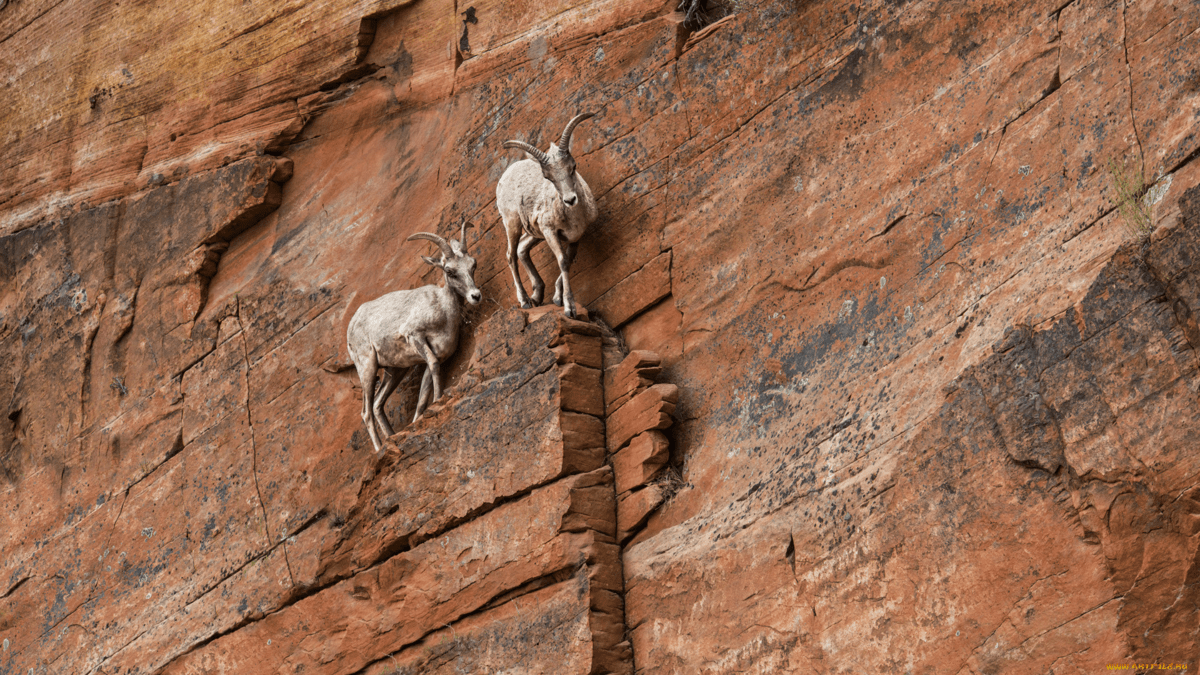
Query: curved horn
{"points": [[537, 154], [462, 237], [564, 141], [447, 252]]}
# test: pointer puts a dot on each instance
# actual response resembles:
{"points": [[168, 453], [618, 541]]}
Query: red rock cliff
{"points": [[933, 391]]}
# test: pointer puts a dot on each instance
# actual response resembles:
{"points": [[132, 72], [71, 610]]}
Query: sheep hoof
{"points": [[525, 304]]}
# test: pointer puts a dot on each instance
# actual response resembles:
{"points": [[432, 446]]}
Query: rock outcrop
{"points": [[885, 380]]}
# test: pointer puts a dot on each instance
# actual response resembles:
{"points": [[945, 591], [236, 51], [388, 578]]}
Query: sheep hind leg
{"points": [[387, 385], [539, 286], [366, 376], [432, 376], [513, 232]]}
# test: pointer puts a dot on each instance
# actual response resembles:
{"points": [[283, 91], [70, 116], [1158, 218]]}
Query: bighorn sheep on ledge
{"points": [[408, 328], [544, 198]]}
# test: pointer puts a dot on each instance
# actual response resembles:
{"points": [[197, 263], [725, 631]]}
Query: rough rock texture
{"points": [[930, 417], [362, 619], [1085, 422], [498, 492]]}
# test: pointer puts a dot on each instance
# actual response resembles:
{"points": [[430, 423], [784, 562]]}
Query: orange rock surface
{"points": [[928, 392]]}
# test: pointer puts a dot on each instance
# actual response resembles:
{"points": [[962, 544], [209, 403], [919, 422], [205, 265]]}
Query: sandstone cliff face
{"points": [[929, 416]]}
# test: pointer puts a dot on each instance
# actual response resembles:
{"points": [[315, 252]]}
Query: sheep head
{"points": [[558, 166], [456, 264]]}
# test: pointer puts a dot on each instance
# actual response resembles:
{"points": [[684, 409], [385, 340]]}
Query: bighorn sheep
{"points": [[409, 328], [544, 198]]}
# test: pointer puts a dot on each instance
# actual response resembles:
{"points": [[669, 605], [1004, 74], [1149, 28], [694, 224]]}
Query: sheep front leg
{"points": [[539, 286], [366, 376], [423, 398], [572, 248], [563, 285], [513, 230]]}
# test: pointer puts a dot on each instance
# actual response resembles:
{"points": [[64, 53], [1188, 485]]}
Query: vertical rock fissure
{"points": [[638, 410], [262, 504], [604, 365], [1129, 78], [85, 372]]}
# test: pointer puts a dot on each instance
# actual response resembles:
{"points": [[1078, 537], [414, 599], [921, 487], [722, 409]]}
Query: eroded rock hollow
{"points": [[886, 357]]}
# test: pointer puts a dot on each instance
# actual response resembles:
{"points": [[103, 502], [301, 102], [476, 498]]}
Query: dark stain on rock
{"points": [[403, 65], [848, 82], [464, 45]]}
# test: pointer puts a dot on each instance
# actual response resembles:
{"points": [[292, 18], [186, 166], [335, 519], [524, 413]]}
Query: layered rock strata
{"points": [[500, 487], [854, 233]]}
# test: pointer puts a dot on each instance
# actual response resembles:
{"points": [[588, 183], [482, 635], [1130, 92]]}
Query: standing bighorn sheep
{"points": [[544, 198], [409, 328]]}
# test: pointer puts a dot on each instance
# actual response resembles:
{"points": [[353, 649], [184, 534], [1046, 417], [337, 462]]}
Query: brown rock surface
{"points": [[930, 416], [555, 637], [636, 292], [1067, 421]]}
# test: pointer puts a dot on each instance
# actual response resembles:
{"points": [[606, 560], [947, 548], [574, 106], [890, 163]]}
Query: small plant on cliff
{"points": [[1136, 211], [670, 481]]}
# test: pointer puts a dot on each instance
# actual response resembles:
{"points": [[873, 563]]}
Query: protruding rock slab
{"points": [[651, 409], [634, 373], [637, 411], [633, 508], [579, 389], [641, 460], [577, 348]]}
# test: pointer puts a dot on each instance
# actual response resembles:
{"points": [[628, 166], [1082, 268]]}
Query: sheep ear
{"points": [[432, 261]]}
